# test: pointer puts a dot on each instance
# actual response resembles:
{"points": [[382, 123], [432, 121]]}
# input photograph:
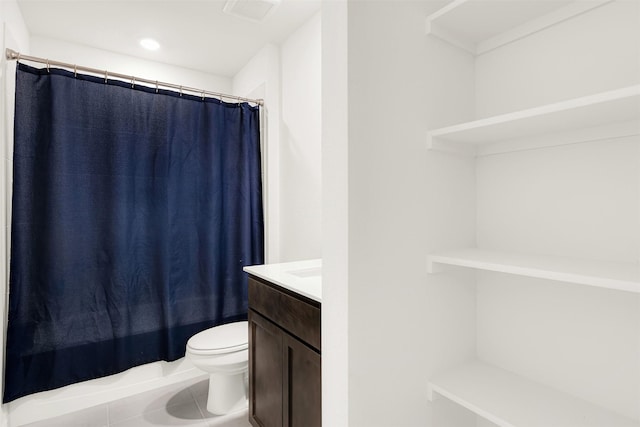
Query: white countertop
{"points": [[301, 277]]}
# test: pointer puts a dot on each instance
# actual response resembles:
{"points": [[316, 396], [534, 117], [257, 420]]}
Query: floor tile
{"points": [[150, 401], [200, 387], [201, 400], [185, 414], [90, 417], [181, 404], [236, 419]]}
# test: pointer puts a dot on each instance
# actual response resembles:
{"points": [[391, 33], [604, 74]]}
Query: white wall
{"points": [[14, 35], [335, 215], [403, 325], [141, 378], [300, 152], [291, 74]]}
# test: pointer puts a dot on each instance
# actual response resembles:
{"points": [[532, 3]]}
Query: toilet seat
{"points": [[221, 339]]}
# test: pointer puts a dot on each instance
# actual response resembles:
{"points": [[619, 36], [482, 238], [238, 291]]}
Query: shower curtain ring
{"points": [[180, 90], [203, 95], [156, 86], [48, 71], [106, 76], [133, 82], [75, 70]]}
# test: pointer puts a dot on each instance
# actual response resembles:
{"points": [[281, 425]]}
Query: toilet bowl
{"points": [[222, 352]]}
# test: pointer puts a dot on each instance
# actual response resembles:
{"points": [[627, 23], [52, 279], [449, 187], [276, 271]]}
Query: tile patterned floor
{"points": [[183, 404]]}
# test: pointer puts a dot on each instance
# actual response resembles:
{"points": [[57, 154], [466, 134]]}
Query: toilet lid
{"points": [[229, 337]]}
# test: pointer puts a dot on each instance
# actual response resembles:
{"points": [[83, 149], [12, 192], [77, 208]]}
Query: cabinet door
{"points": [[303, 384], [265, 370]]}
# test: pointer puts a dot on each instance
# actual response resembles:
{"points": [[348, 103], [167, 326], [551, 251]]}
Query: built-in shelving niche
{"points": [[500, 396]]}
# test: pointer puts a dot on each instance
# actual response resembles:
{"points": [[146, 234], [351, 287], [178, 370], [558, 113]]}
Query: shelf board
{"points": [[619, 276], [599, 110], [510, 400], [481, 26]]}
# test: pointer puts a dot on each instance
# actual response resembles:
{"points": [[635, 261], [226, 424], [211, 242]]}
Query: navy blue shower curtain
{"points": [[134, 211]]}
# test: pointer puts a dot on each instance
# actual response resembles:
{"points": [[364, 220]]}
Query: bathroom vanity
{"points": [[284, 344]]}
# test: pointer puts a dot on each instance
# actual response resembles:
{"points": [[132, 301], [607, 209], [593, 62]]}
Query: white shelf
{"points": [[510, 400], [481, 26], [619, 276], [620, 106]]}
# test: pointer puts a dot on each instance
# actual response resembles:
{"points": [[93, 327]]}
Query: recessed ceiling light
{"points": [[150, 44]]}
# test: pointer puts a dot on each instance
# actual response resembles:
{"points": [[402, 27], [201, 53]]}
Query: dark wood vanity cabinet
{"points": [[284, 357]]}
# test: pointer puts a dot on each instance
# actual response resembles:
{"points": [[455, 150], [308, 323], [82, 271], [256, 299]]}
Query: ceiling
{"points": [[194, 34]]}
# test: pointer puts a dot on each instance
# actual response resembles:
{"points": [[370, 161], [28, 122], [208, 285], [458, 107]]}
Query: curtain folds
{"points": [[133, 215]]}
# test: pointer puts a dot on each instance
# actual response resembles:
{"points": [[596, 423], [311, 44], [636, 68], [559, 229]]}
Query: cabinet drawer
{"points": [[299, 317]]}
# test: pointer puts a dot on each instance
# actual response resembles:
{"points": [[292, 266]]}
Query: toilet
{"points": [[222, 352]]}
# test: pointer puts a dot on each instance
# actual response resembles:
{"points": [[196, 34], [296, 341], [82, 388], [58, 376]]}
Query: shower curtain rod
{"points": [[13, 55]]}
